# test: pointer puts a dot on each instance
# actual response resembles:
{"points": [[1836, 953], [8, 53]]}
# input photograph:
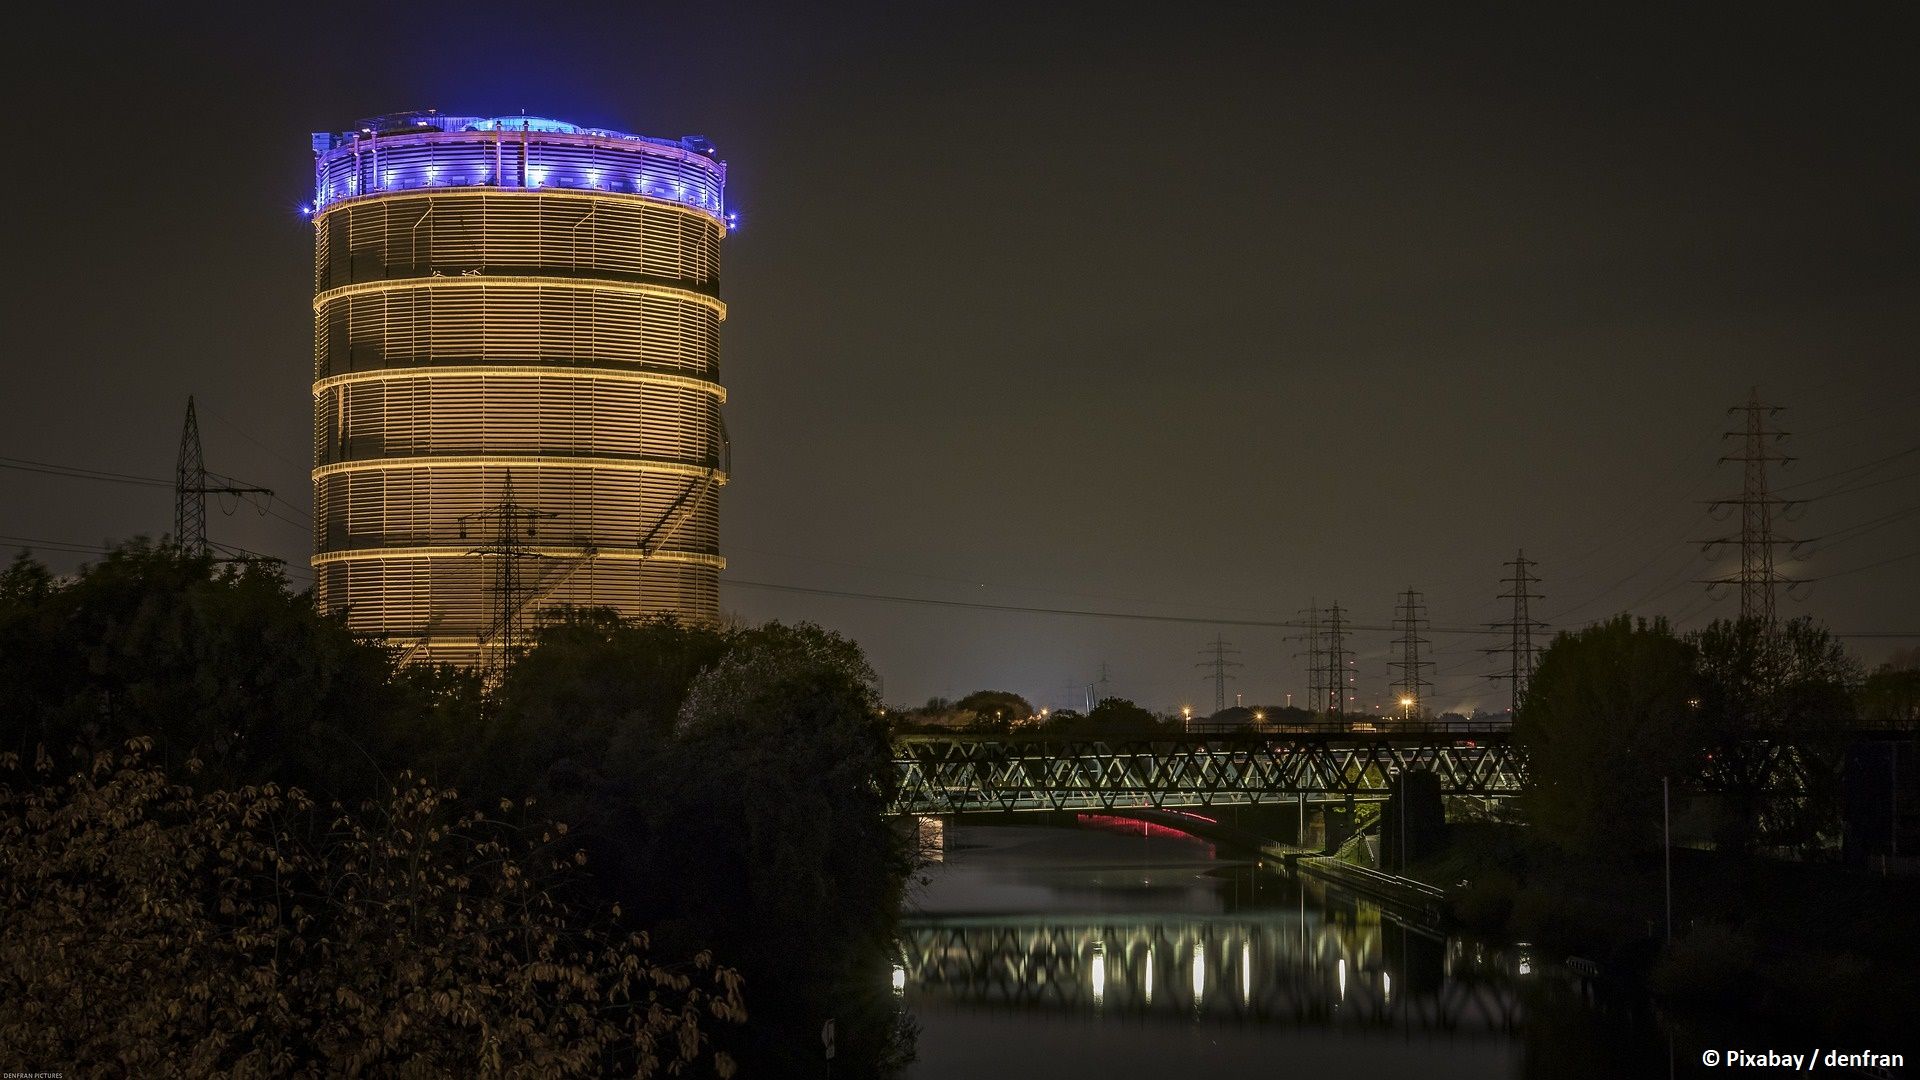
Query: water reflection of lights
{"points": [[1112, 968], [1246, 973], [1099, 972], [899, 979]]}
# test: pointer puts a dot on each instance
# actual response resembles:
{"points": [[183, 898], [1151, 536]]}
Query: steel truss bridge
{"points": [[948, 774], [942, 774]]}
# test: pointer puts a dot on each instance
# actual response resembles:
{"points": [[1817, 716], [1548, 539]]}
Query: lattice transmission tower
{"points": [[1316, 671], [190, 489], [513, 529], [1757, 577], [1340, 679], [1410, 689], [1220, 650], [1520, 627]]}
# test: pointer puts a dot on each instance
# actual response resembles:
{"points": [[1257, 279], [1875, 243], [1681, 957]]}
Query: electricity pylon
{"points": [[1520, 628], [1412, 686], [513, 527], [1757, 577], [190, 489], [1316, 672], [1219, 650]]}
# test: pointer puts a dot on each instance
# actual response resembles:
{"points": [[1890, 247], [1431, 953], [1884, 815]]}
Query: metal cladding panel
{"points": [[433, 607], [552, 332], [473, 319], [477, 231]]}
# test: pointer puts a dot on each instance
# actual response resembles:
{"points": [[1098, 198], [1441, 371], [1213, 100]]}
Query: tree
{"points": [[995, 711], [1112, 716], [773, 802], [1792, 683], [1891, 695], [152, 929], [1607, 715], [1795, 677], [594, 691], [219, 664]]}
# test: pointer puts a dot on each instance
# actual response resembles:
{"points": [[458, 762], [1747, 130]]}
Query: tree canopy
{"points": [[1606, 717]]}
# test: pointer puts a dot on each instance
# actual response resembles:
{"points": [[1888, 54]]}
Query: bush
{"points": [[245, 932]]}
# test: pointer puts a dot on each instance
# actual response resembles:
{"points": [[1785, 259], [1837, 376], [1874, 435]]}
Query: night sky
{"points": [[1172, 313]]}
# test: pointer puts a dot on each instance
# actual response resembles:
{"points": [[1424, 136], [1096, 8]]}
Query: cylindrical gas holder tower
{"points": [[516, 392]]}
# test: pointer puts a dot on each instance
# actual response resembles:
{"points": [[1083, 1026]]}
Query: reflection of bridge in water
{"points": [[1270, 968]]}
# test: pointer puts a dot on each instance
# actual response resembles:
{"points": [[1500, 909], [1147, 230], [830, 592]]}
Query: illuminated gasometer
{"points": [[516, 390]]}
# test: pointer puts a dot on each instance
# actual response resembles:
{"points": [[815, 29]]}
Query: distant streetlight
{"points": [[1406, 708], [1186, 718]]}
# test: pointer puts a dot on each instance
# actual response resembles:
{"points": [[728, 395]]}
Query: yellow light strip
{"points": [[544, 371], [686, 558], [362, 288], [488, 191], [468, 461]]}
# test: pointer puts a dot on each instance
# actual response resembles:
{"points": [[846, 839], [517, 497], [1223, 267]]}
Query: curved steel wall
{"points": [[561, 339]]}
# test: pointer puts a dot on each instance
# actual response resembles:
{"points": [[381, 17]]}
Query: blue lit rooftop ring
{"points": [[410, 151]]}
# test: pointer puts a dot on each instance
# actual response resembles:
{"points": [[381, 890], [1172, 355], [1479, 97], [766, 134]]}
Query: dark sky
{"points": [[1178, 312]]}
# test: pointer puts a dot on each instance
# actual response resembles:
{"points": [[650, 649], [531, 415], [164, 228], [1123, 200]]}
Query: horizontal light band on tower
{"points": [[688, 558], [542, 371], [639, 288], [585, 197], [670, 468]]}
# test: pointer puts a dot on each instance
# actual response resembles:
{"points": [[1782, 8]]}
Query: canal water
{"points": [[1127, 950]]}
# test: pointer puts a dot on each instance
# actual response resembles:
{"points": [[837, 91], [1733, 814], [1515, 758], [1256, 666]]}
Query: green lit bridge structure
{"points": [[948, 774], [953, 774]]}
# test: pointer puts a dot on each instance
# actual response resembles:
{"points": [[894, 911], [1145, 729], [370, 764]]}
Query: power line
{"points": [[1866, 466], [976, 605], [1863, 569], [30, 543], [73, 472]]}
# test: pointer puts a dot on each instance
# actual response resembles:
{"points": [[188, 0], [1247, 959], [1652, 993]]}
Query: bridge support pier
{"points": [[929, 836], [1339, 824]]}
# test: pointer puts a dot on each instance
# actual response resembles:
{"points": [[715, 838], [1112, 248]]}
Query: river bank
{"points": [[1810, 947]]}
